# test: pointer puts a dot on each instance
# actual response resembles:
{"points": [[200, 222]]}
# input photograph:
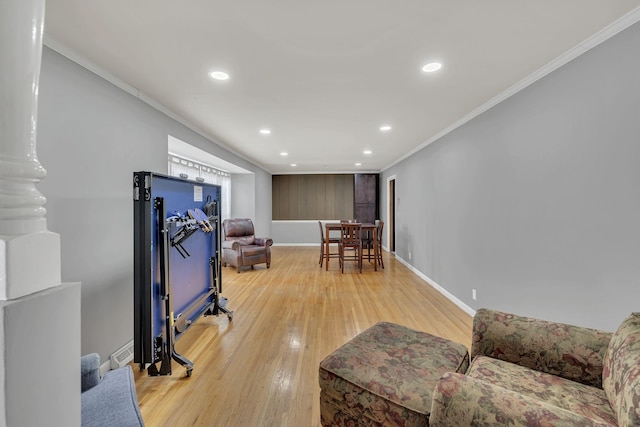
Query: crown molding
{"points": [[606, 33], [99, 71]]}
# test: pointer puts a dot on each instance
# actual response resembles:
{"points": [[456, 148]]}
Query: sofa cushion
{"points": [[590, 402], [621, 373]]}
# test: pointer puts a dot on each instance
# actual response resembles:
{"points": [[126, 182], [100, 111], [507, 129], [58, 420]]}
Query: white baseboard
{"points": [[471, 312], [427, 279]]}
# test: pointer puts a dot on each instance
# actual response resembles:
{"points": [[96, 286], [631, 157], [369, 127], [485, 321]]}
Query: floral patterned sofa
{"points": [[529, 372]]}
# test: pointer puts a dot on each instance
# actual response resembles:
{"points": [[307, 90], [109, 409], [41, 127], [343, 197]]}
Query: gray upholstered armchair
{"points": [[110, 400], [240, 246]]}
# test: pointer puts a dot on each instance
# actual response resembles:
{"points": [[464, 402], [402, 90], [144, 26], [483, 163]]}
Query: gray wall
{"points": [[91, 137], [251, 199], [243, 205], [536, 203], [263, 209]]}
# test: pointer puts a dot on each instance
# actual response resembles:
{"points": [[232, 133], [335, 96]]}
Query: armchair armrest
{"points": [[89, 371], [571, 352], [263, 241], [230, 244]]}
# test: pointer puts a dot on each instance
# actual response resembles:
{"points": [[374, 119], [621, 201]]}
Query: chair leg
{"points": [[321, 254]]}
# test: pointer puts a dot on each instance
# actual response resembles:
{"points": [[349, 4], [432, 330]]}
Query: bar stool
{"points": [[332, 240]]}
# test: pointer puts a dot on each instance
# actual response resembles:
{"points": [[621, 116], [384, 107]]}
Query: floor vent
{"points": [[123, 356]]}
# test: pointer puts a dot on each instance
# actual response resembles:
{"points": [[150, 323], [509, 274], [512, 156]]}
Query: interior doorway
{"points": [[391, 213]]}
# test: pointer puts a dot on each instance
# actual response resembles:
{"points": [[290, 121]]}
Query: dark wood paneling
{"points": [[347, 206], [366, 197], [366, 188], [311, 197], [330, 188]]}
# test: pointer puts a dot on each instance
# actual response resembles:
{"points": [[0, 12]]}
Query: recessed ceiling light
{"points": [[385, 128], [265, 131], [284, 153], [293, 165], [367, 151], [219, 75], [358, 164], [431, 67]]}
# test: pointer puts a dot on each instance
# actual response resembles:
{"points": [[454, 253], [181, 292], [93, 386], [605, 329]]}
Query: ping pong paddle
{"points": [[201, 219]]}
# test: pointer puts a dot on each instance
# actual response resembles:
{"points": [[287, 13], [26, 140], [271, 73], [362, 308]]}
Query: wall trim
{"points": [[606, 33], [388, 228], [617, 26], [470, 311]]}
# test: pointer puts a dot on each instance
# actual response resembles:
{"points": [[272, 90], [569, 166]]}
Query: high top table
{"points": [[335, 226]]}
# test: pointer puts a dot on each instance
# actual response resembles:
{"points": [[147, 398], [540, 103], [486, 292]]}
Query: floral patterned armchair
{"points": [[529, 372]]}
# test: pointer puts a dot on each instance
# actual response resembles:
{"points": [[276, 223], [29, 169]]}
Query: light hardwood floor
{"points": [[261, 369]]}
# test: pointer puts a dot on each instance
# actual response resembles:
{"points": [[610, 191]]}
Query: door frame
{"points": [[391, 213]]}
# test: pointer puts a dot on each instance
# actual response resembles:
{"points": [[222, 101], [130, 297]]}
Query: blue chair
{"points": [[110, 400]]}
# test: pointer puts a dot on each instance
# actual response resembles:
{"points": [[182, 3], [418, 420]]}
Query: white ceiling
{"points": [[325, 75]]}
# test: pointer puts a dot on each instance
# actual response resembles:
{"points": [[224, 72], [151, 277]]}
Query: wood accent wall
{"points": [[312, 197]]}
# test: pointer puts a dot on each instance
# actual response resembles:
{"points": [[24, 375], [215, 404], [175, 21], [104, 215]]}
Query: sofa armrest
{"points": [[89, 371], [264, 241], [571, 352], [459, 401]]}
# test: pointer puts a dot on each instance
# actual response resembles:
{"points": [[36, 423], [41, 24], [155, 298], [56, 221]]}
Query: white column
{"points": [[29, 254], [39, 317], [40, 339]]}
